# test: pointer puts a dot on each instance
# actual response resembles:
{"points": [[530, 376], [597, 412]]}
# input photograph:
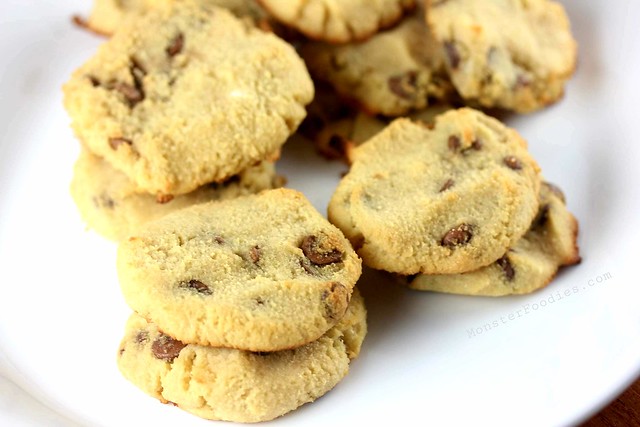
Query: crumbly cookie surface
{"points": [[338, 21], [236, 385], [529, 265], [262, 273], [441, 199], [392, 73], [108, 15], [187, 95], [114, 207], [510, 54]]}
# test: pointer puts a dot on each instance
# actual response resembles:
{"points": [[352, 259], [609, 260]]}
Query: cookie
{"points": [[237, 385], [108, 15], [338, 21], [441, 199], [114, 207], [392, 73], [529, 265], [511, 54], [264, 272], [187, 95]]}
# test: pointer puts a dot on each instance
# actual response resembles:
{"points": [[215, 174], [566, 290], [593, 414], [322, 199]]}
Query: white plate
{"points": [[429, 359]]}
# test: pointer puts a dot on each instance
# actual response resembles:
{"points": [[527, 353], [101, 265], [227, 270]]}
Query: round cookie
{"points": [[237, 385], [511, 54], [338, 21], [264, 272], [529, 265], [114, 207], [186, 95], [392, 73], [441, 199], [108, 15]]}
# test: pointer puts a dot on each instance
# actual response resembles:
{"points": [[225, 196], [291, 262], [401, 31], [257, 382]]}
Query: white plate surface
{"points": [[545, 359]]}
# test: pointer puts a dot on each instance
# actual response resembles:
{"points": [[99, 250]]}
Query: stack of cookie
{"points": [[457, 206], [245, 305], [185, 103], [245, 308]]}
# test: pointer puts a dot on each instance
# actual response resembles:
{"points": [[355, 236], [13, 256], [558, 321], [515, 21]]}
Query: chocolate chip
{"points": [[137, 70], [197, 286], [141, 337], [176, 45], [94, 81], [116, 142], [80, 22], [259, 301], [219, 240], [404, 85], [460, 235], [255, 253], [166, 348], [164, 198], [336, 300], [476, 144], [452, 54], [512, 162], [506, 267], [454, 143], [132, 94], [447, 185], [104, 201], [317, 254]]}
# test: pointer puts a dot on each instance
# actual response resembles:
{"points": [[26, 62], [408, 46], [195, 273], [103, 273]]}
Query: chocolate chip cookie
{"points": [[264, 272], [187, 95], [338, 21], [528, 265], [392, 73], [510, 54], [237, 385], [441, 199], [114, 207]]}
